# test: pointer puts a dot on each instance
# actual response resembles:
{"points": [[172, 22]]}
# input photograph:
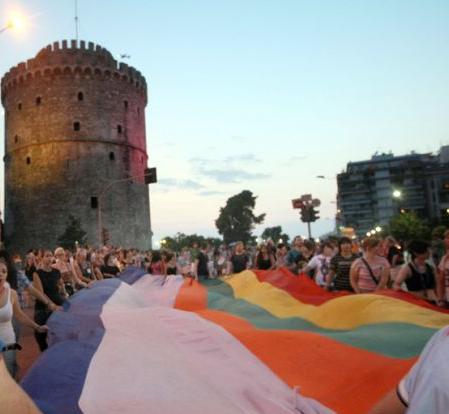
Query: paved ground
{"points": [[30, 351]]}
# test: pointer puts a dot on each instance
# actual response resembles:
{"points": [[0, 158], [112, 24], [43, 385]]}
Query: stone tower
{"points": [[75, 127]]}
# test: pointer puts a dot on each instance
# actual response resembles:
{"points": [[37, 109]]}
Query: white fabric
{"points": [[426, 387], [158, 360], [6, 329], [321, 264]]}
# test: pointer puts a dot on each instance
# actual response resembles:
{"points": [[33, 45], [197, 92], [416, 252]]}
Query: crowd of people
{"points": [[45, 279]]}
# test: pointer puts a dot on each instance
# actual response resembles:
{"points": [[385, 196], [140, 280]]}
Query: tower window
{"points": [[38, 100], [94, 202], [16, 139], [111, 156], [119, 129], [28, 160], [76, 126], [125, 103], [80, 96], [19, 106]]}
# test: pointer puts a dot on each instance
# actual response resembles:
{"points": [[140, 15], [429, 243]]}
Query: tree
{"points": [[236, 220], [275, 234], [72, 234], [180, 240], [408, 226]]}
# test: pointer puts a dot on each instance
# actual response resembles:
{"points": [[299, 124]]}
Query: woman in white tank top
{"points": [[9, 306]]}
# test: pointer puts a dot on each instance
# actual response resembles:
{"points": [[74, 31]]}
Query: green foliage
{"points": [[236, 220], [438, 232], [73, 233], [181, 240], [275, 234], [408, 226]]}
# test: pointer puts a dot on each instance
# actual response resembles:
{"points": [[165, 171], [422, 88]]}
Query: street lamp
{"points": [[9, 25], [378, 229], [15, 22], [397, 194]]}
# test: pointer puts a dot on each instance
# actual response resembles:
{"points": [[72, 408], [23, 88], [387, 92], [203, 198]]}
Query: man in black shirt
{"points": [[201, 260]]}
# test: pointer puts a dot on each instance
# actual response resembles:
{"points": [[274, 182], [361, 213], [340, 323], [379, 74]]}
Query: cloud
{"points": [[200, 161], [211, 193], [232, 175], [237, 158], [242, 158], [225, 170], [182, 184], [297, 158]]}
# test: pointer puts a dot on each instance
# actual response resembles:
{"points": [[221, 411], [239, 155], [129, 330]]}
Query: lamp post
{"points": [[148, 173], [9, 25], [15, 22]]}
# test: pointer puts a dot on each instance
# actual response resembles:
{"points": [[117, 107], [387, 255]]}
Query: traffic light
{"points": [[305, 214], [314, 214], [150, 175]]}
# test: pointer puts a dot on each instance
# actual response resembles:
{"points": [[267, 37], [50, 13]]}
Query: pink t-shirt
{"points": [[377, 265]]}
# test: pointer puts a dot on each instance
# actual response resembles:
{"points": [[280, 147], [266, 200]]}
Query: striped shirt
{"points": [[341, 266]]}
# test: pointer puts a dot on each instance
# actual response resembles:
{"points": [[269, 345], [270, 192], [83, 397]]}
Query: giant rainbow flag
{"points": [[255, 342]]}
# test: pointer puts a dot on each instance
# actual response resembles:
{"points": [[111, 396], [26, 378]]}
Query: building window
{"points": [[80, 96], [19, 106], [119, 129], [111, 156], [76, 126], [125, 103], [16, 139], [28, 160], [94, 202], [138, 112], [38, 100]]}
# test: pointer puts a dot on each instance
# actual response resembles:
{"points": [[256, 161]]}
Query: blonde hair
{"points": [[59, 250]]}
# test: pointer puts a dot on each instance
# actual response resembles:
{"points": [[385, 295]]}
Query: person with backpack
{"points": [[371, 271]]}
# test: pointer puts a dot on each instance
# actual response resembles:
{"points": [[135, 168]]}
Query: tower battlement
{"points": [[77, 59]]}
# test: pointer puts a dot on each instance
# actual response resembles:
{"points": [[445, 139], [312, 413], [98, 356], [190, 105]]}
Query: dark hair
{"points": [[343, 240], [106, 259], [12, 272], [156, 256], [416, 247], [309, 245], [327, 244]]}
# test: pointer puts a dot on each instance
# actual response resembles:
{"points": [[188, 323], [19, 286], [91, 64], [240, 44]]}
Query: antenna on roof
{"points": [[76, 20]]}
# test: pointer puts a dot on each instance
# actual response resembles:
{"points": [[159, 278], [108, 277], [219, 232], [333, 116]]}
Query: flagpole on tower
{"points": [[76, 20]]}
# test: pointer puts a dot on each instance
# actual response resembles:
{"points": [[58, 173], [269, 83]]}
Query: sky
{"points": [[262, 95]]}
